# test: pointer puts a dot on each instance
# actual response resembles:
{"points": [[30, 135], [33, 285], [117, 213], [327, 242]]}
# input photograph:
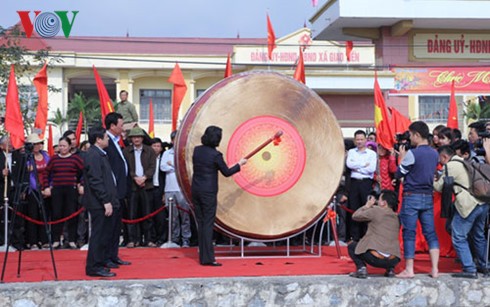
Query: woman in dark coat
{"points": [[206, 163]]}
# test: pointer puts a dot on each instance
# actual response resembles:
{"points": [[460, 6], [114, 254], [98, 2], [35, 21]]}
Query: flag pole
{"points": [[3, 248]]}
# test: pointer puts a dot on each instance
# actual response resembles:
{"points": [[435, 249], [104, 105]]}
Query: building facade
{"points": [[425, 44], [142, 67]]}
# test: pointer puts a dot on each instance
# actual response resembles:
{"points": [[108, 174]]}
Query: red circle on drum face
{"points": [[274, 169]]}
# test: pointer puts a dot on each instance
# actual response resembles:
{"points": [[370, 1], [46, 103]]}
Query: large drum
{"points": [[286, 186]]}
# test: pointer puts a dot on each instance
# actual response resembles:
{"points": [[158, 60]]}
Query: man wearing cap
{"points": [[181, 222], [141, 161]]}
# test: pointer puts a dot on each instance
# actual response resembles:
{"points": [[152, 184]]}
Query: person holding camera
{"points": [[36, 234], [418, 166], [469, 217], [477, 137], [380, 246]]}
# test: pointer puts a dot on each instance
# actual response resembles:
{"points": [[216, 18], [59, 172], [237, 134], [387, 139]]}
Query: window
{"points": [[433, 108], [199, 92], [162, 105]]}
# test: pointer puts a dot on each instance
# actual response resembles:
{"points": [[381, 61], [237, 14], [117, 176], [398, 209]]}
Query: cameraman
{"points": [[478, 137], [417, 167], [380, 246]]}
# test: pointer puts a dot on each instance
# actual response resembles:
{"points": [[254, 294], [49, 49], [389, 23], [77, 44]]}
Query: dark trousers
{"points": [[367, 258], [358, 193], [159, 220], [64, 203], [114, 229], [35, 233], [139, 206], [99, 241], [82, 228], [205, 205]]}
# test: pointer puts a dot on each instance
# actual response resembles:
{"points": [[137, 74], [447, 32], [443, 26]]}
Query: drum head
{"points": [[286, 186]]}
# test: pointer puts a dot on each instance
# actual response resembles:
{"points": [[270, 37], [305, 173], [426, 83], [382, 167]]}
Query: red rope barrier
{"points": [[141, 219], [37, 222], [343, 207]]}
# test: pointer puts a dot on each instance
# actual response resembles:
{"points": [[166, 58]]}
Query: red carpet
{"points": [[157, 263]]}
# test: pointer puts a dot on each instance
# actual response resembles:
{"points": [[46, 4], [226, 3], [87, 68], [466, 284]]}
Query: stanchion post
{"points": [[6, 220], [170, 243], [4, 248]]}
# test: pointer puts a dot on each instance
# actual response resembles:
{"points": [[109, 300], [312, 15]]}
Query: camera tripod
{"points": [[21, 186]]}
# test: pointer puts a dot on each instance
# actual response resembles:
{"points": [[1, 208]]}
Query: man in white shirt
{"points": [[181, 224], [362, 163]]}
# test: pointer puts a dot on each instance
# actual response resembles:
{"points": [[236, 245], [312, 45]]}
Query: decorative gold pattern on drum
{"points": [[283, 188]]}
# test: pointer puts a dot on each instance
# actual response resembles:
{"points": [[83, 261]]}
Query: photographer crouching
{"points": [[380, 246]]}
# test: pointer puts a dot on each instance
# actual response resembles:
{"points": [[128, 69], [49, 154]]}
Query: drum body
{"points": [[286, 186]]}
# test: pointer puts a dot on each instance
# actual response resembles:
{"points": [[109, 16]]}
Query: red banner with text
{"points": [[437, 80]]}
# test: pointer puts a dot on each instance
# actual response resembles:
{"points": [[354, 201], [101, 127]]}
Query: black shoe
{"points": [[390, 273], [111, 265], [484, 272], [212, 264], [121, 262], [361, 273], [101, 273], [472, 275]]}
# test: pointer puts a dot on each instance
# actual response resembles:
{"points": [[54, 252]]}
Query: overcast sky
{"points": [[177, 18]]}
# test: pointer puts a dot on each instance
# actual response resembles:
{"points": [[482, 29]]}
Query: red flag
{"points": [[228, 71], [348, 49], [151, 122], [381, 120], [299, 73], [271, 38], [50, 142], [78, 133], [106, 106], [398, 123], [41, 84], [452, 116], [177, 78], [14, 123]]}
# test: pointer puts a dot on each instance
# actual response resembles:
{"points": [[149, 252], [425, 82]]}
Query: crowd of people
{"points": [[83, 192], [120, 173], [413, 173]]}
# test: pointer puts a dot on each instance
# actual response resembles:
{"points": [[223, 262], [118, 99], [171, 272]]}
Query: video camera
{"points": [[28, 147], [479, 150], [402, 139]]}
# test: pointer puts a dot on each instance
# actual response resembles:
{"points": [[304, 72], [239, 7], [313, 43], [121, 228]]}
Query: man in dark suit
{"points": [[159, 220], [114, 125], [100, 199]]}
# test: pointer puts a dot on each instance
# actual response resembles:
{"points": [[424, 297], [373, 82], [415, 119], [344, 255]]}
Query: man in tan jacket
{"points": [[141, 165], [469, 217], [380, 246]]}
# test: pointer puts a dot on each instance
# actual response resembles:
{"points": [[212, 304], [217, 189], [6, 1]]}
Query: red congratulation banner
{"points": [[475, 80]]}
